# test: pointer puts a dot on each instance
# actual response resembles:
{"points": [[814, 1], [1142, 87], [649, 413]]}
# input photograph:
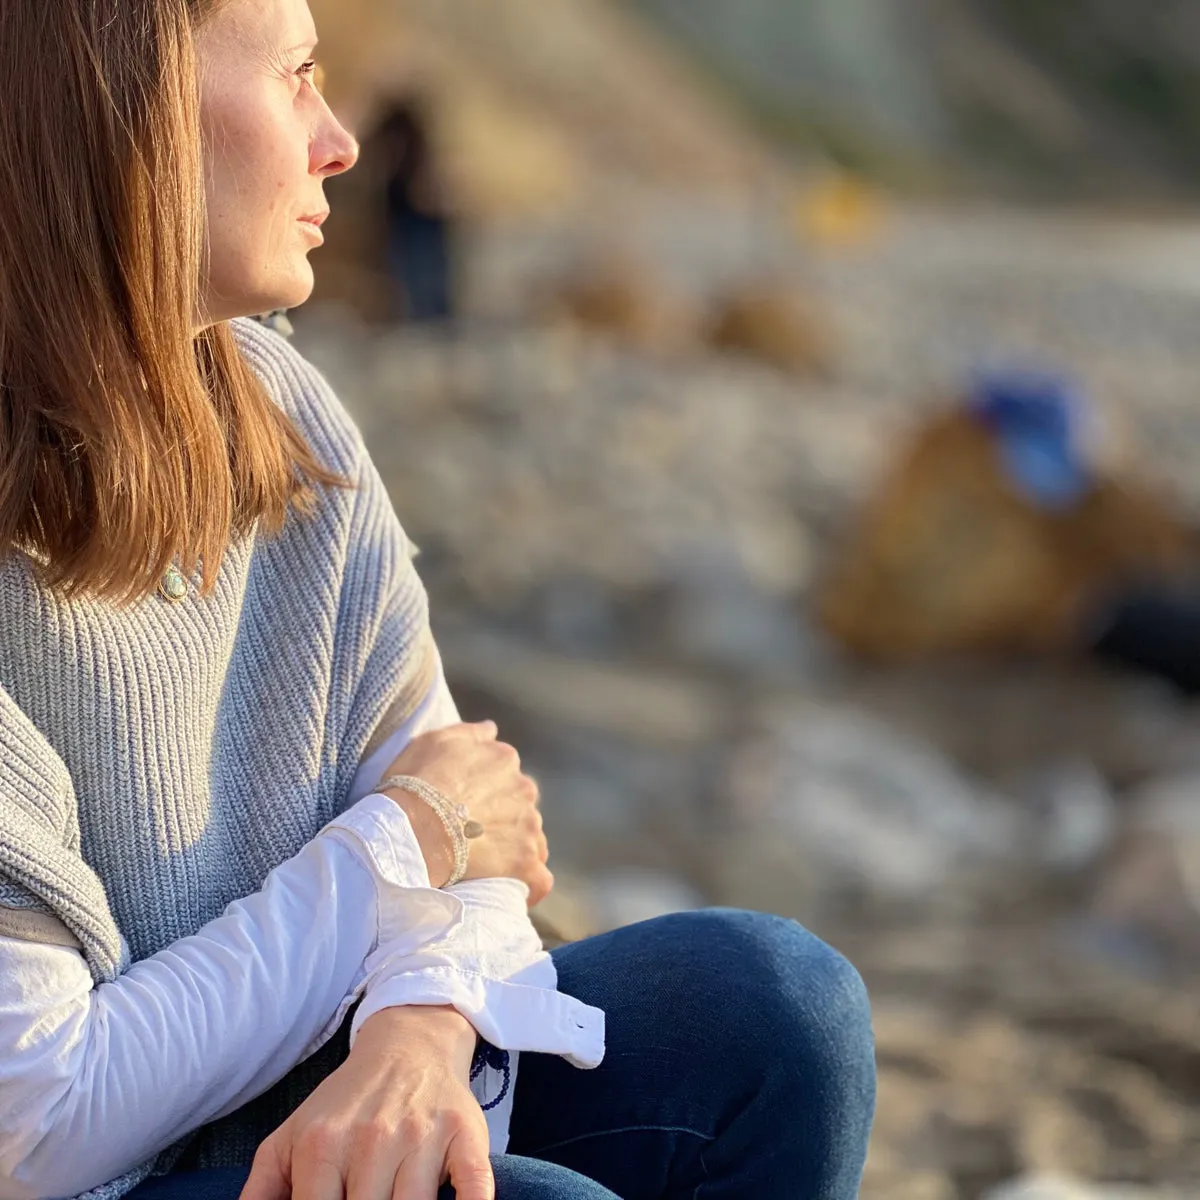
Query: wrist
{"points": [[430, 833], [439, 1029]]}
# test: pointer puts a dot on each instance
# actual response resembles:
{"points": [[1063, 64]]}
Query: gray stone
{"points": [[1074, 814], [1051, 1187], [855, 802], [626, 896]]}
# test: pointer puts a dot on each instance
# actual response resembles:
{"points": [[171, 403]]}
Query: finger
{"points": [[532, 826], [420, 1174], [373, 1165], [316, 1174], [268, 1178], [484, 731], [541, 884], [318, 1180], [469, 1166]]}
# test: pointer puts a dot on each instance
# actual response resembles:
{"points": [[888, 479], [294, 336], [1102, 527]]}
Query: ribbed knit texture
{"points": [[157, 762]]}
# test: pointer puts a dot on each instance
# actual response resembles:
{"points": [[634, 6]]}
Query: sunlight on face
{"points": [[270, 142]]}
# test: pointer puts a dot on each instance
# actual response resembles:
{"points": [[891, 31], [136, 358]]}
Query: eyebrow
{"points": [[306, 45]]}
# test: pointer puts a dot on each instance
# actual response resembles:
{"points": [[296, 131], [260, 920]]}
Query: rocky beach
{"points": [[620, 543], [680, 369]]}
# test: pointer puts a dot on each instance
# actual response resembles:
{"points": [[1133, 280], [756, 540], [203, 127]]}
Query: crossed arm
{"points": [[95, 1079]]}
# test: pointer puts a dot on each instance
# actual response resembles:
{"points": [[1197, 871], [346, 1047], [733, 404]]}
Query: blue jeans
{"points": [[740, 1066]]}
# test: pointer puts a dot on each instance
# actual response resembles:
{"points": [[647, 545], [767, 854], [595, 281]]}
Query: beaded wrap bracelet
{"points": [[454, 817]]}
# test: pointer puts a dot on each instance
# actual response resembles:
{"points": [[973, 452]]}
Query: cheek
{"points": [[252, 166]]}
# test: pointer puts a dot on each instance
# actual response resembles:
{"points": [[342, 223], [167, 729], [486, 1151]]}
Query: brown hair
{"points": [[126, 438]]}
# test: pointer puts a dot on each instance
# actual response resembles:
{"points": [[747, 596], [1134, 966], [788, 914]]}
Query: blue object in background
{"points": [[1037, 418]]}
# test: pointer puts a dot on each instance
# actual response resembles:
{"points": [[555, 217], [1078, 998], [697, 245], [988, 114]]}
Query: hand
{"points": [[470, 765], [396, 1119]]}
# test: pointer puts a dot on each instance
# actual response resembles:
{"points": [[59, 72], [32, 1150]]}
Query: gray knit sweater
{"points": [[156, 763]]}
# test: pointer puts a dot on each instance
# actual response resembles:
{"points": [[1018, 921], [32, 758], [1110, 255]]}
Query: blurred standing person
{"points": [[419, 219]]}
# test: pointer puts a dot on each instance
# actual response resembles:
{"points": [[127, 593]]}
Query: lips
{"points": [[317, 219]]}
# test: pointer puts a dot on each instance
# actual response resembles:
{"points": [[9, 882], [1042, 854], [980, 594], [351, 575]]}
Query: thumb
{"points": [[469, 1167], [485, 731], [269, 1177]]}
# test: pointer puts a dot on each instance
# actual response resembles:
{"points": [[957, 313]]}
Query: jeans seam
{"points": [[703, 1167], [584, 1137]]}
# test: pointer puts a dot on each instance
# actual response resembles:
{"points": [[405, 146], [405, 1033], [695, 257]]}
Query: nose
{"points": [[335, 149]]}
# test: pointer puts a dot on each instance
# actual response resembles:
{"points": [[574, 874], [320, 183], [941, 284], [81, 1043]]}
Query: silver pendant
{"points": [[173, 586]]}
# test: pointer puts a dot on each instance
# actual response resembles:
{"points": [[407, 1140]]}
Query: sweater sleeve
{"points": [[95, 1079]]}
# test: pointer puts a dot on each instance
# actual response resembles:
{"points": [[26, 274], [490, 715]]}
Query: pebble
{"points": [[1049, 1187]]}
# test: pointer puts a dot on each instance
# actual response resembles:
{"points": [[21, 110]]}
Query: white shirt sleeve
{"points": [[229, 1011], [94, 1080], [491, 967]]}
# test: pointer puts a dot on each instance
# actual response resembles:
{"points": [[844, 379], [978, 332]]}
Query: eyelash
{"points": [[308, 69]]}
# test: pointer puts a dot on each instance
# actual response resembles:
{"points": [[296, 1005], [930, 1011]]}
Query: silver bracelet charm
{"points": [[455, 818]]}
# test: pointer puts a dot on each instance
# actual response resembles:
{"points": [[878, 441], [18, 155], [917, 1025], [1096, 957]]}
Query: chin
{"points": [[246, 298], [288, 289], [291, 293]]}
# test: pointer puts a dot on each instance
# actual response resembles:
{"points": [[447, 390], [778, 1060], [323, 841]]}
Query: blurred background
{"points": [[794, 403]]}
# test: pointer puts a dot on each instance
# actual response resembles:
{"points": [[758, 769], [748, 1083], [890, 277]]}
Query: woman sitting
{"points": [[263, 898]]}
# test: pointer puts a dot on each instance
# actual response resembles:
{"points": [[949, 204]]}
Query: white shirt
{"points": [[94, 1080]]}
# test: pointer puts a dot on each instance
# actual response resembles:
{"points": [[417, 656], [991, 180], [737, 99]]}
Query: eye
{"points": [[310, 71]]}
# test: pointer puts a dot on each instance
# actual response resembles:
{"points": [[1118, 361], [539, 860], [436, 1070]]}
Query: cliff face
{"points": [[537, 104], [1094, 97]]}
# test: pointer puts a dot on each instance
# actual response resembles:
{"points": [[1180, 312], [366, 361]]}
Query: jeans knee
{"points": [[798, 995]]}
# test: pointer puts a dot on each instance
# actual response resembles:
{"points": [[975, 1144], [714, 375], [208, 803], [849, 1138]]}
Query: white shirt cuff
{"points": [[492, 969], [411, 913], [521, 1013]]}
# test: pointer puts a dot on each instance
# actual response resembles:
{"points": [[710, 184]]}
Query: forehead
{"points": [[258, 25]]}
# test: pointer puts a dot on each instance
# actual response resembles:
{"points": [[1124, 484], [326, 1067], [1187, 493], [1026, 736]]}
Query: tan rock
{"points": [[619, 299], [772, 324]]}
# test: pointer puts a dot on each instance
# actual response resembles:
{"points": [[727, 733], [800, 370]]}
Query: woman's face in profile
{"points": [[270, 142]]}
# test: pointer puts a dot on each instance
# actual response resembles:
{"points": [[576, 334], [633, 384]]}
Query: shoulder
{"points": [[303, 393]]}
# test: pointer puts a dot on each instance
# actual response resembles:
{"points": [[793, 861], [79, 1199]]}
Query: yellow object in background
{"points": [[839, 210]]}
